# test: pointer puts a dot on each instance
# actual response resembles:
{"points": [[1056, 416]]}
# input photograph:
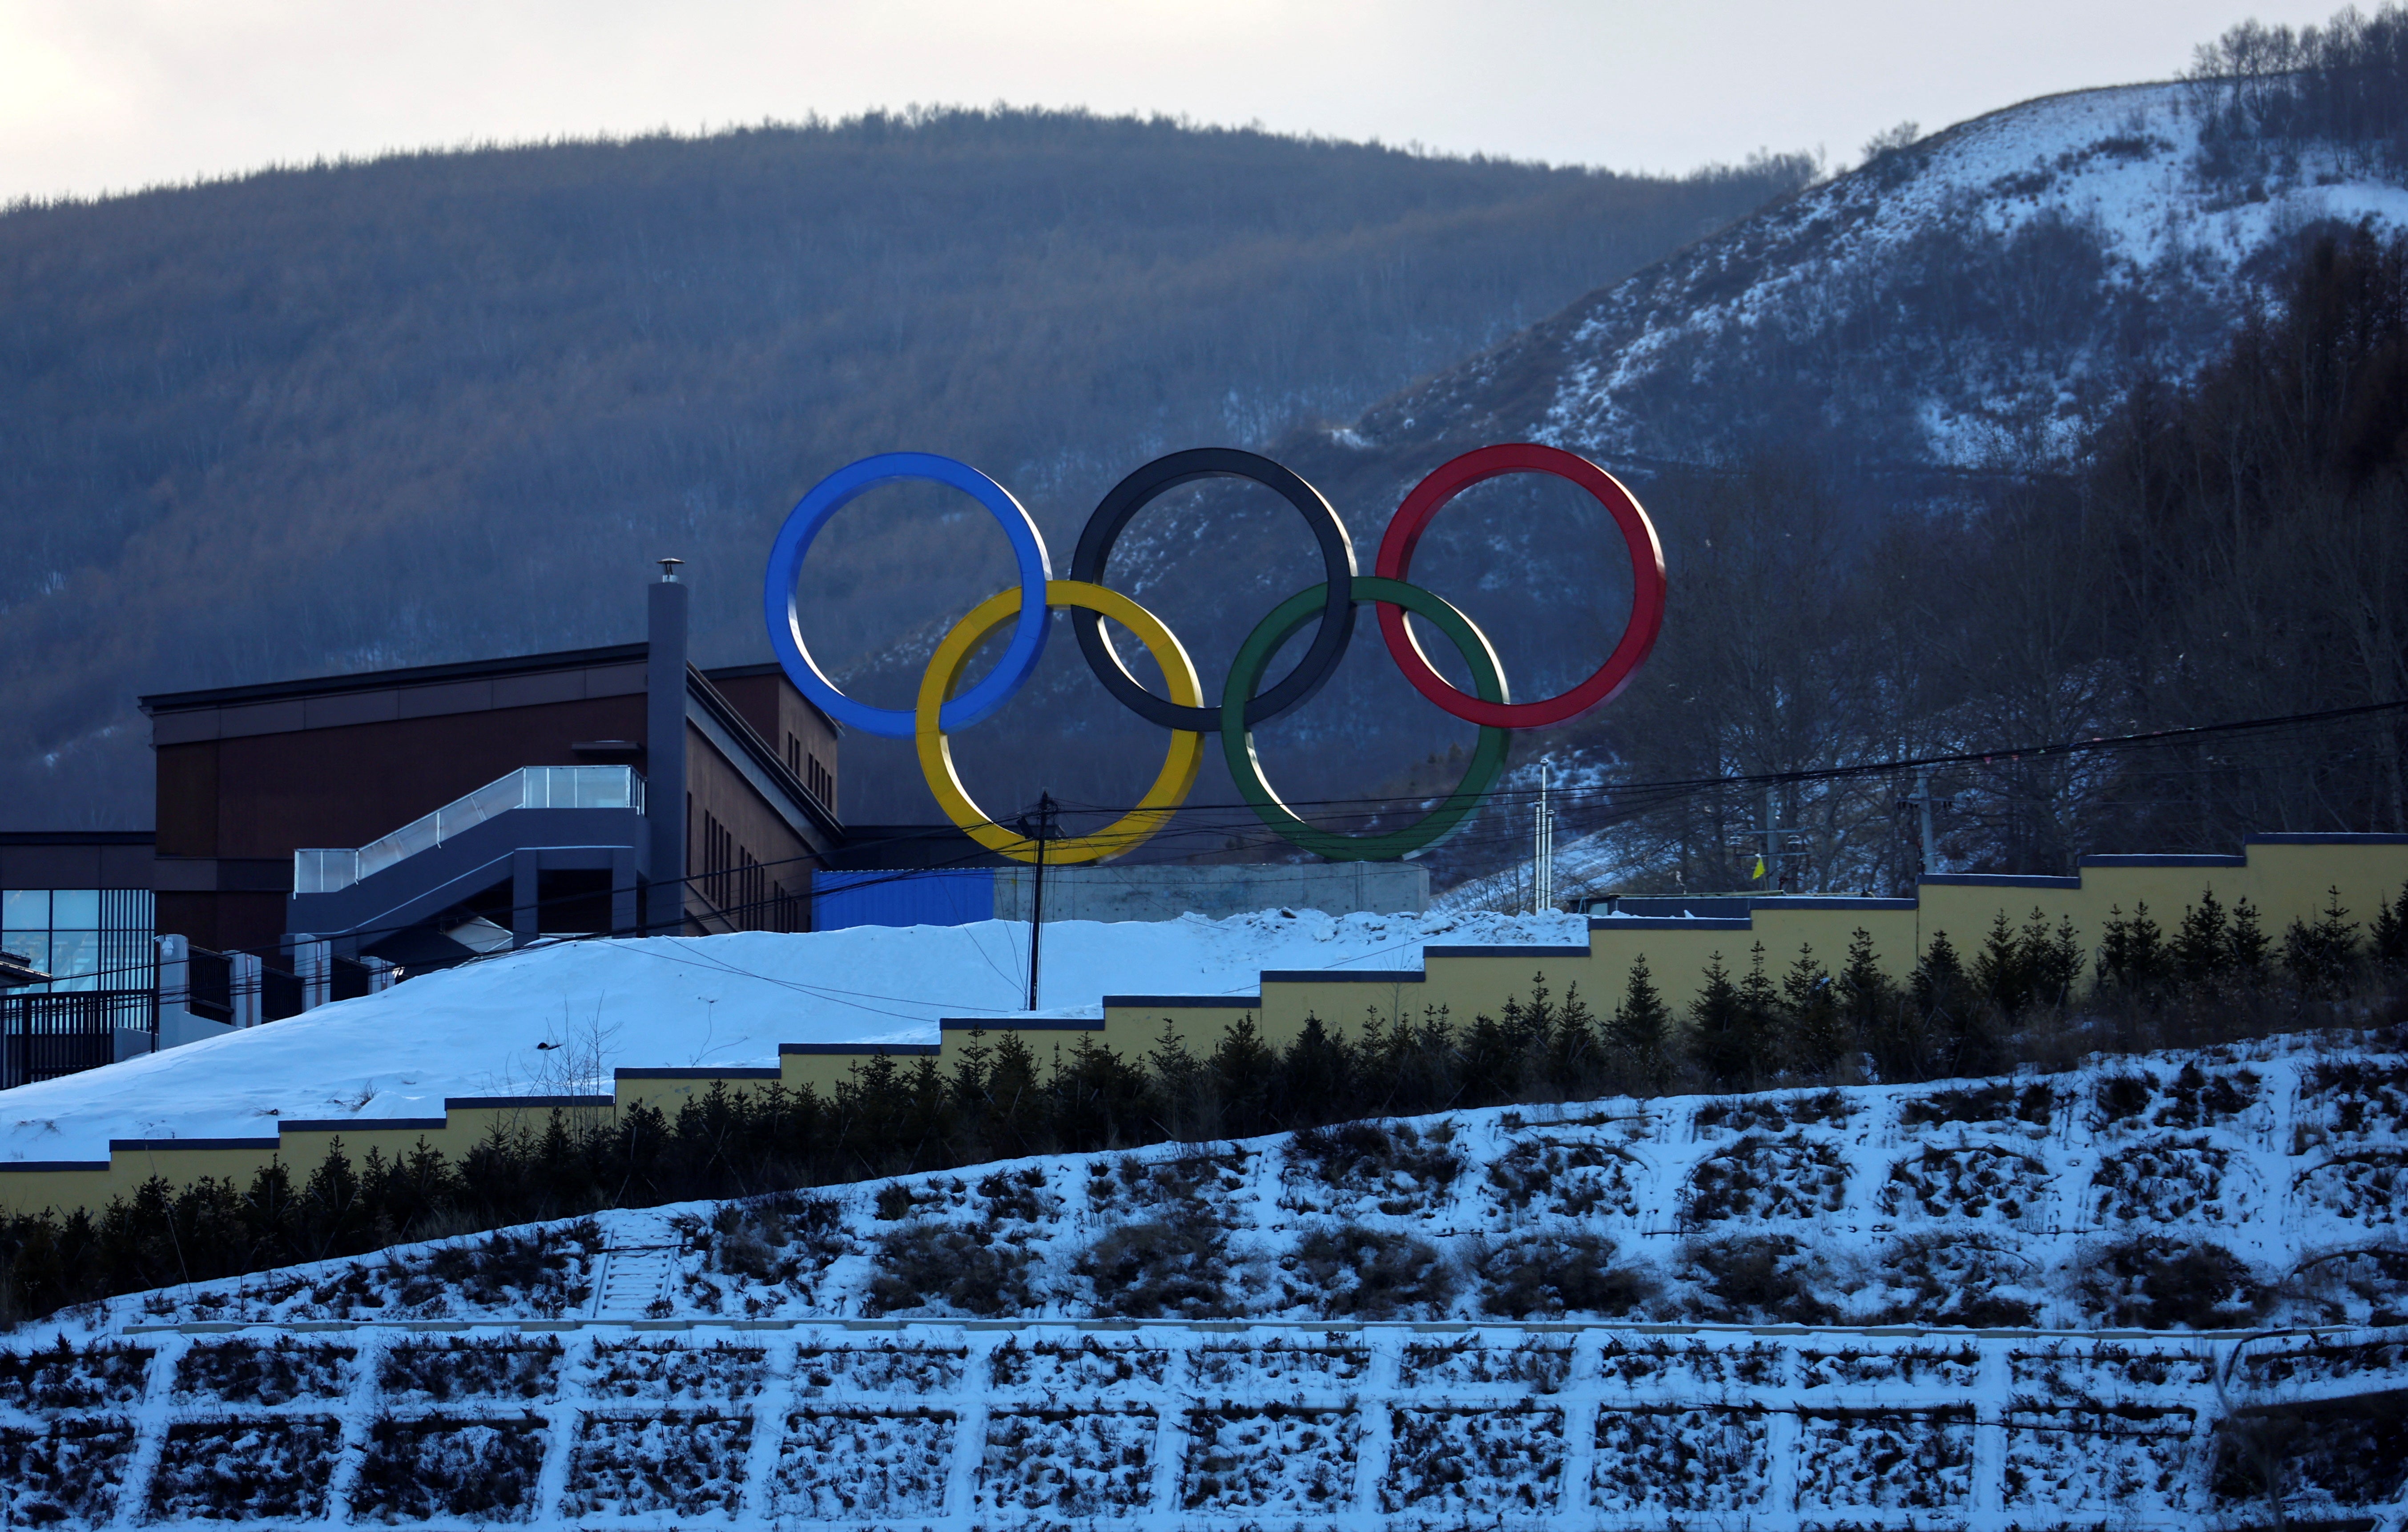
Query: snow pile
{"points": [[556, 1020]]}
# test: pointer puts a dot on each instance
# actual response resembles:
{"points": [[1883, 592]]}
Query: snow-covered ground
{"points": [[2119, 164], [480, 1030], [801, 1370]]}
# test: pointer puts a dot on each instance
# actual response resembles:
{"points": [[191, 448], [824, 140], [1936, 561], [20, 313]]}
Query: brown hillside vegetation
{"points": [[446, 404]]}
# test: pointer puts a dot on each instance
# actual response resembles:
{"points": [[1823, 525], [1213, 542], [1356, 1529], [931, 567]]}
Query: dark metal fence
{"points": [[43, 1037], [279, 995]]}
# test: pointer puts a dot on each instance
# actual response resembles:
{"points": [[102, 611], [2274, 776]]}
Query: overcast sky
{"points": [[102, 95]]}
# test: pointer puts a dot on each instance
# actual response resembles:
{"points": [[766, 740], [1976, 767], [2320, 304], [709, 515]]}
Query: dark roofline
{"points": [[698, 687], [747, 672], [364, 680]]}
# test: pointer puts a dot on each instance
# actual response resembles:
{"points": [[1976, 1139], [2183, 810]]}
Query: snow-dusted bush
{"points": [[99, 1376], [1271, 1458], [880, 1366], [1957, 1279], [1792, 1177], [1942, 1367], [1549, 1274], [1277, 1364], [2167, 1180], [422, 1468], [955, 1266], [2367, 1186], [438, 1368], [2001, 1102], [1680, 1459], [1162, 1267], [2157, 1282], [2082, 1458], [1571, 1179], [68, 1469], [1772, 1113], [1885, 1459], [1757, 1279], [1368, 1273], [1085, 1364], [1067, 1463], [678, 1462], [1541, 1365], [1392, 1169], [1482, 1461], [240, 1469], [244, 1371], [2106, 1370], [845, 1465], [671, 1370], [783, 1242], [1966, 1180]]}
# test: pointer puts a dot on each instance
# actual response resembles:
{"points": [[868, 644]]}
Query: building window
{"points": [[86, 938]]}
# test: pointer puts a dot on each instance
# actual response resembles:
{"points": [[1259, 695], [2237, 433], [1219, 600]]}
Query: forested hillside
{"points": [[2081, 420], [442, 406]]}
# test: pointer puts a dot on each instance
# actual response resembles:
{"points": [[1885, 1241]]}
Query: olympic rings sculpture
{"points": [[938, 712]]}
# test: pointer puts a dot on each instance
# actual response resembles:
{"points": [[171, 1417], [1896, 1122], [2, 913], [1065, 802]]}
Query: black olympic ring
{"points": [[1127, 497]]}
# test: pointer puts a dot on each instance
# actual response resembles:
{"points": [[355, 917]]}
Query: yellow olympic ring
{"points": [[944, 672]]}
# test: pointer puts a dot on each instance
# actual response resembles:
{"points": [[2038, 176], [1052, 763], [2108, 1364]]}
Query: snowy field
{"points": [[480, 1030], [1153, 1428], [1340, 1329]]}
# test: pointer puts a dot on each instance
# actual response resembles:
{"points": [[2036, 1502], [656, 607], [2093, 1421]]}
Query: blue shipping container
{"points": [[933, 896]]}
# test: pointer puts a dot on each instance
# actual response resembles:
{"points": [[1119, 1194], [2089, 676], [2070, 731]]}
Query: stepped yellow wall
{"points": [[2286, 877]]}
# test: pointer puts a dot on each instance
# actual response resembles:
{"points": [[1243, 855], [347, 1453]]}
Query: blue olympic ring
{"points": [[830, 495]]}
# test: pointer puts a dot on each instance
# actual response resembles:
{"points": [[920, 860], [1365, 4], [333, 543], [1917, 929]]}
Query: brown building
{"points": [[421, 814]]}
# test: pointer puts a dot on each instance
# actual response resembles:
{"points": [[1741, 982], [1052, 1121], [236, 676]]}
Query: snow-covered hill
{"points": [[1593, 1314], [559, 1018], [1972, 301]]}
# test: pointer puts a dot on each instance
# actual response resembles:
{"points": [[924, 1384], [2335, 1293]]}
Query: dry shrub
{"points": [[2157, 1282], [1998, 1102], [242, 1469], [1968, 1279], [481, 1470], [2122, 1097], [1404, 1168], [1757, 1279], [502, 1367], [243, 1372], [1164, 1267], [1551, 1275], [1368, 1273], [967, 1269]]}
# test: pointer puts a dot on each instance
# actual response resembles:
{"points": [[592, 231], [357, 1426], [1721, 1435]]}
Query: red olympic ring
{"points": [[1452, 479]]}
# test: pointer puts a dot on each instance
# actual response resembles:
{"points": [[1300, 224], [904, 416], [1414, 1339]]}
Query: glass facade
{"points": [[86, 938]]}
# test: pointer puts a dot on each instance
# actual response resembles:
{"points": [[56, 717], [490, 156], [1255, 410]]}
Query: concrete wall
{"points": [[2286, 877], [1166, 891]]}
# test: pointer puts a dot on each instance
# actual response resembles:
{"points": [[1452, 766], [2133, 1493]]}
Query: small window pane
{"points": [[25, 910], [74, 952], [75, 908], [32, 946]]}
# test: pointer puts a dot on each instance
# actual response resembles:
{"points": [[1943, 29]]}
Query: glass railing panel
{"points": [[421, 834], [324, 870]]}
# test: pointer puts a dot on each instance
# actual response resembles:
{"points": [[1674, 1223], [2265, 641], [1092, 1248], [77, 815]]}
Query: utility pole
{"points": [[1037, 911], [1923, 799], [1543, 849], [1770, 830]]}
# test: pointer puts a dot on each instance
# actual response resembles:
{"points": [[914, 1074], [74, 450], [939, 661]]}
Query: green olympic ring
{"points": [[1255, 657]]}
